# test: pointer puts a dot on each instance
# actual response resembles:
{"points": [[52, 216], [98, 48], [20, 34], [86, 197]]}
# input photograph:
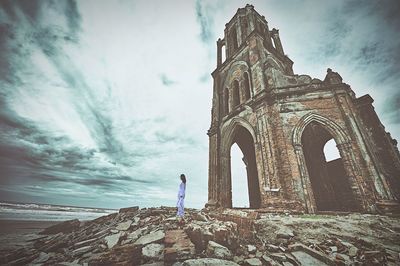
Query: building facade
{"points": [[281, 121]]}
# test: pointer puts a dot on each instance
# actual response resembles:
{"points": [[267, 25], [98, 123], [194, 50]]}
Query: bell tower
{"points": [[239, 86], [273, 115]]}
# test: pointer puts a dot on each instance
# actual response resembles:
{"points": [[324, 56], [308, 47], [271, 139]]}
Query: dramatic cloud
{"points": [[105, 103]]}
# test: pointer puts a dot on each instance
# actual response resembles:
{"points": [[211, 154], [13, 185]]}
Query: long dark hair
{"points": [[183, 178]]}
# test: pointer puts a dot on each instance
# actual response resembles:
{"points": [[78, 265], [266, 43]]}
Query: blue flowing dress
{"points": [[181, 196]]}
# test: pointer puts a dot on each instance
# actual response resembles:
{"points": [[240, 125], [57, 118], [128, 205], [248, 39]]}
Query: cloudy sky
{"points": [[105, 103]]}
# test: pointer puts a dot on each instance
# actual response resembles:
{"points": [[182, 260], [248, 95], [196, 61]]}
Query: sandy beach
{"points": [[15, 234]]}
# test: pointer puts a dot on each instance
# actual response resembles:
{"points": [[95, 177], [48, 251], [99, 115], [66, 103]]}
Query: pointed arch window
{"points": [[235, 92], [246, 85]]}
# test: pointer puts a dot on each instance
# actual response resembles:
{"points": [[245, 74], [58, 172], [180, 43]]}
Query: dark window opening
{"points": [[233, 39], [236, 95], [226, 101], [246, 85]]}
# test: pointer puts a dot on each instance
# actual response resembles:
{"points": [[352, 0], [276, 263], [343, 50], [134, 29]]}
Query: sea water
{"points": [[48, 212]]}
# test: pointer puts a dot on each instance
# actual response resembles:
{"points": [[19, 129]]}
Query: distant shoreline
{"points": [[56, 205], [48, 212]]}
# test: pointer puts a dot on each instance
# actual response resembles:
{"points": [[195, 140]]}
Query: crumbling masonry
{"points": [[281, 122]]}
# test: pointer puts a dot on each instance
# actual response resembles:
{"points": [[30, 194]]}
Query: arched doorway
{"points": [[240, 192], [329, 181], [245, 142]]}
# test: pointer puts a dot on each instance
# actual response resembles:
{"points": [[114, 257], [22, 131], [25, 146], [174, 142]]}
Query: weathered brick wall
{"points": [[280, 107]]}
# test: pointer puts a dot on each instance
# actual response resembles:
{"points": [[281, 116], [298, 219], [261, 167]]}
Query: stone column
{"points": [[277, 41], [308, 195], [219, 52], [345, 150], [225, 189], [213, 165]]}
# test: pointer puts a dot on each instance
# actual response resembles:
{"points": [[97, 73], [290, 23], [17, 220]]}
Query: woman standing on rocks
{"points": [[181, 196]]}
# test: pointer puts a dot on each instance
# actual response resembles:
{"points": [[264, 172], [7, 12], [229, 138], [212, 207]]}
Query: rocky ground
{"points": [[153, 236]]}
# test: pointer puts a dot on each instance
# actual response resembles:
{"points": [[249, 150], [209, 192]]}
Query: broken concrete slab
{"points": [[153, 237]]}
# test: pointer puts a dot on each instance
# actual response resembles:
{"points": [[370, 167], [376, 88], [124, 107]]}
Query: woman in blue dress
{"points": [[181, 197]]}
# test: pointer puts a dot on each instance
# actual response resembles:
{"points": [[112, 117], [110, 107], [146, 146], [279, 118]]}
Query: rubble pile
{"points": [[154, 236]]}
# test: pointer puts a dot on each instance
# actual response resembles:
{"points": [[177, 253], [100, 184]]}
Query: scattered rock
{"points": [[124, 226], [278, 256], [119, 255], [353, 251], [208, 262], [216, 250], [238, 259], [153, 237], [84, 243], [159, 263], [333, 249], [200, 217], [64, 227], [251, 249], [153, 251], [43, 257], [136, 234], [272, 248], [306, 259], [284, 233], [321, 257], [81, 250], [130, 209], [253, 262], [224, 233], [342, 257], [268, 261], [177, 246], [112, 240]]}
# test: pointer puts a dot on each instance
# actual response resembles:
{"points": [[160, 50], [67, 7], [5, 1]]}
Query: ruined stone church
{"points": [[281, 121]]}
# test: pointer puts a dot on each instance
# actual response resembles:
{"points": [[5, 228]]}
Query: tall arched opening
{"points": [[245, 142], [330, 183], [240, 191]]}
